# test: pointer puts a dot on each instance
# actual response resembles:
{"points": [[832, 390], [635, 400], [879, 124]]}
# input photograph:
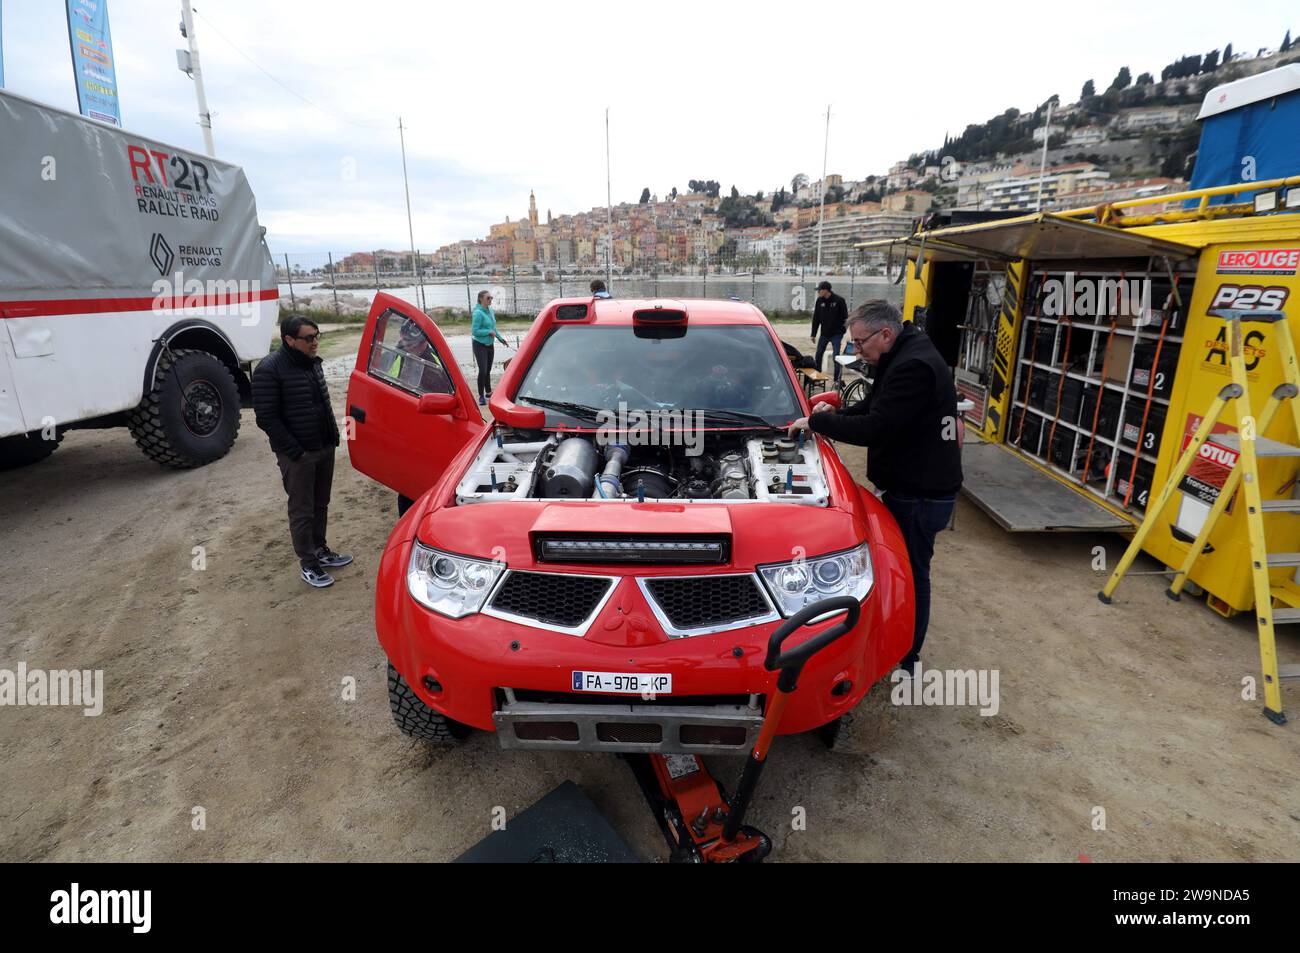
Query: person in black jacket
{"points": [[830, 314], [292, 404], [910, 426]]}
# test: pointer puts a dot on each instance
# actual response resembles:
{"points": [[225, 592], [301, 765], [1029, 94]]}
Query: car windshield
{"points": [[734, 370]]}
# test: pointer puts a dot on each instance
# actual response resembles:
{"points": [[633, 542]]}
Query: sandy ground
{"points": [[224, 692]]}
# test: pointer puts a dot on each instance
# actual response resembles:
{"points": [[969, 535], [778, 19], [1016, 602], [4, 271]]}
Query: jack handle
{"points": [[791, 662]]}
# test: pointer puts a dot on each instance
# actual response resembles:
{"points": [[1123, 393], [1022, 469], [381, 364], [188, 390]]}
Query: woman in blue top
{"points": [[484, 329]]}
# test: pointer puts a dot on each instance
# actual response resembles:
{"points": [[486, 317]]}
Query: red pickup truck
{"points": [[600, 568]]}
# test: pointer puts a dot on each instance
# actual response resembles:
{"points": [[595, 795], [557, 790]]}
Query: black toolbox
{"points": [[1144, 359], [1135, 433]]}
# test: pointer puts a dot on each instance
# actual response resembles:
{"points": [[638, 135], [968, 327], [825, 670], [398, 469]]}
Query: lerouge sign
{"points": [[1259, 261], [92, 60]]}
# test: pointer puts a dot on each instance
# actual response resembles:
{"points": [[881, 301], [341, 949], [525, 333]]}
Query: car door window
{"points": [[402, 355]]}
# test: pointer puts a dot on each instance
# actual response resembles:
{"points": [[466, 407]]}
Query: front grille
{"points": [[553, 598], [699, 602], [713, 735], [632, 733], [546, 731], [572, 723]]}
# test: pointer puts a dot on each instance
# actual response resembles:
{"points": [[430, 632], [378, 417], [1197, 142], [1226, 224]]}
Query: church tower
{"points": [[532, 209]]}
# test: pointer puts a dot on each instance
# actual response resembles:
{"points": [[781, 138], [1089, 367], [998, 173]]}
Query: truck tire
{"points": [[25, 449], [191, 415], [416, 719]]}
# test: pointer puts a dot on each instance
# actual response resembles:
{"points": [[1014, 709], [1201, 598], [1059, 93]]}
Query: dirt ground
{"points": [[224, 691]]}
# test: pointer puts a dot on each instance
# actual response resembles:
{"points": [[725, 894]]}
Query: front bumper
{"points": [[496, 674], [629, 726]]}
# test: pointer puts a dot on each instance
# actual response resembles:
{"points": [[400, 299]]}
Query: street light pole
{"points": [[821, 216], [410, 228], [609, 214], [196, 74], [1042, 166]]}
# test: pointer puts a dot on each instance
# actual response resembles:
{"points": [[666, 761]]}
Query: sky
{"points": [[499, 98]]}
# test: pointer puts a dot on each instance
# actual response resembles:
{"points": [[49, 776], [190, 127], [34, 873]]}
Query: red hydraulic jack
{"points": [[700, 823]]}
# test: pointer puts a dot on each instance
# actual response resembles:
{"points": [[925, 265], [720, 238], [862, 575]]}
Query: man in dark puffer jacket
{"points": [[292, 404], [911, 429]]}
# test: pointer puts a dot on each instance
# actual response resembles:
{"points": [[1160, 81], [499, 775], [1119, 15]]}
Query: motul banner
{"points": [[1209, 471], [92, 60]]}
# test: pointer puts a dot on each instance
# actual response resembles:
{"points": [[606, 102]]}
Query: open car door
{"points": [[410, 405]]}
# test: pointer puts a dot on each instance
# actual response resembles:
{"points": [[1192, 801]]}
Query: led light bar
{"points": [[632, 549]]}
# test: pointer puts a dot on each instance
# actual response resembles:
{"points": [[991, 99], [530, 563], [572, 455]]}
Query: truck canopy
{"points": [[1256, 117], [92, 212]]}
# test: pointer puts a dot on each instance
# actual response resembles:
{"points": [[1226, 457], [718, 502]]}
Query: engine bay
{"points": [[728, 467]]}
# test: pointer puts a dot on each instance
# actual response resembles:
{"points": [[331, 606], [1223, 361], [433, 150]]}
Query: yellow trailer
{"points": [[1083, 339]]}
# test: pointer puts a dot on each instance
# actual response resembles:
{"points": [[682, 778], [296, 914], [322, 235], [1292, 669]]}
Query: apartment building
{"points": [[1021, 190]]}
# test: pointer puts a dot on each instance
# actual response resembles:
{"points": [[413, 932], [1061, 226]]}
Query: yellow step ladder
{"points": [[1250, 446]]}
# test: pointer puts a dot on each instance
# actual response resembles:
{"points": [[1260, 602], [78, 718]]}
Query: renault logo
{"points": [[161, 254]]}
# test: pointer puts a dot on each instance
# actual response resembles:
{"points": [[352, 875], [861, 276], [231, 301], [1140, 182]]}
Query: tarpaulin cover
{"points": [[1267, 131], [90, 211]]}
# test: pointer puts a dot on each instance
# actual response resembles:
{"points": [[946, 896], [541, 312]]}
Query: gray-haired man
{"points": [[909, 425]]}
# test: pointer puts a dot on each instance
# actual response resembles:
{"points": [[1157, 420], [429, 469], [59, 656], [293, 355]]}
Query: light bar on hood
{"points": [[664, 550]]}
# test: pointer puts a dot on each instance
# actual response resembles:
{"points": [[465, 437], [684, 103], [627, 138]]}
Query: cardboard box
{"points": [[1121, 352]]}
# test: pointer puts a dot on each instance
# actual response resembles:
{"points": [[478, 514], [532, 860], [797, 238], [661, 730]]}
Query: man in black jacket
{"points": [[292, 404], [829, 315], [910, 426]]}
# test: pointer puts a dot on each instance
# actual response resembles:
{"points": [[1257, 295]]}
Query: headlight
{"points": [[452, 585], [794, 585]]}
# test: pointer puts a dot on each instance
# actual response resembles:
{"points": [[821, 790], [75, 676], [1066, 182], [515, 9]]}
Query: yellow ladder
{"points": [[1250, 446]]}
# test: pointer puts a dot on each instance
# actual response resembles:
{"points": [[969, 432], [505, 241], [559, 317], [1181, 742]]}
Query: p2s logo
{"points": [[1250, 297], [1244, 298]]}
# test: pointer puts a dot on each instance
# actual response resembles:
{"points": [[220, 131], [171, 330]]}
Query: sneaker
{"points": [[482, 401], [332, 560], [315, 576]]}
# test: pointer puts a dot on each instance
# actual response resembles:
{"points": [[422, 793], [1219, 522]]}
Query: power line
{"points": [[286, 88]]}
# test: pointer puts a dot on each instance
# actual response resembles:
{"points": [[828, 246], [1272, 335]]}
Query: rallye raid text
{"points": [[185, 194]]}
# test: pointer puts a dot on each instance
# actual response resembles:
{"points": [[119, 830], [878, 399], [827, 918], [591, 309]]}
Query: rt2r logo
{"points": [[191, 175]]}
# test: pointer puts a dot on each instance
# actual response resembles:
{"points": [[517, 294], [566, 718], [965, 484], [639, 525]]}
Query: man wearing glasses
{"points": [[910, 426], [292, 404]]}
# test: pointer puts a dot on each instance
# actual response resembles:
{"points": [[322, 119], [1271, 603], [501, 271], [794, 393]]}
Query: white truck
{"points": [[136, 289]]}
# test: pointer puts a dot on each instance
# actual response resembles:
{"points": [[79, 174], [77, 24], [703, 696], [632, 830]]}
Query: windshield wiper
{"points": [[565, 407], [736, 416]]}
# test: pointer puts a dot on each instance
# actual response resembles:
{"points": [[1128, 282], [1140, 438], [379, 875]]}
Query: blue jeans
{"points": [[920, 520], [822, 341]]}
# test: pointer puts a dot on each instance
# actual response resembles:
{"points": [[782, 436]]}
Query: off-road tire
{"points": [[190, 417], [416, 719], [24, 449]]}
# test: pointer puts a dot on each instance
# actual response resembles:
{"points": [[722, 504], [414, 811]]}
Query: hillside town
{"points": [[1132, 140]]}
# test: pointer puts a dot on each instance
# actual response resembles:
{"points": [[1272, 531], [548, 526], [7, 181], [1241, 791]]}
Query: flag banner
{"points": [[92, 60]]}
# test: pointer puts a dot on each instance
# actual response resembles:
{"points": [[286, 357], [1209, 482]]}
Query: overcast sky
{"points": [[501, 97]]}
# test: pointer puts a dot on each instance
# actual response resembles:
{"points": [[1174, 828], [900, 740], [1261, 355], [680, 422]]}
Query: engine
{"points": [[729, 466]]}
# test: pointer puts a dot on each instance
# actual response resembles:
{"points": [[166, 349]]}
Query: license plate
{"points": [[623, 683]]}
